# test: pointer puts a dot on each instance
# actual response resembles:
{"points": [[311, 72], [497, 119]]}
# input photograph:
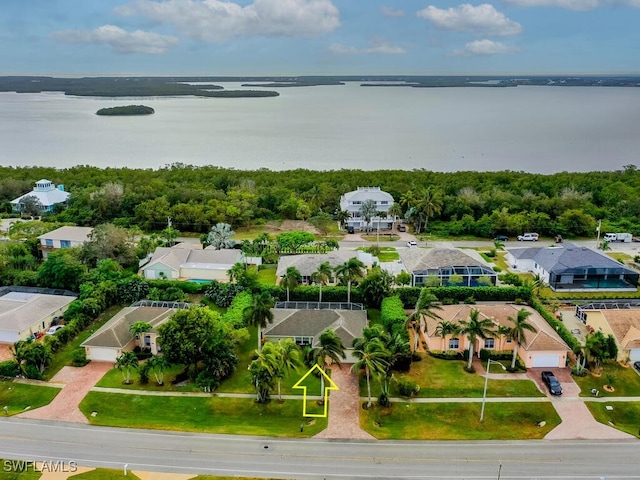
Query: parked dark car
{"points": [[552, 383], [636, 365], [501, 238], [402, 227], [350, 229]]}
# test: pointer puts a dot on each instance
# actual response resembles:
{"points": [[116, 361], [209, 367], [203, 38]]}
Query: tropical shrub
{"points": [[9, 369], [407, 387]]}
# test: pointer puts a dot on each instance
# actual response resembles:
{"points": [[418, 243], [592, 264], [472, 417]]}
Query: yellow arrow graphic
{"points": [[328, 381]]}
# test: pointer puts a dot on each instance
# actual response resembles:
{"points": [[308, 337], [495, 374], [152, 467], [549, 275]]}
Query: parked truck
{"points": [[618, 237]]}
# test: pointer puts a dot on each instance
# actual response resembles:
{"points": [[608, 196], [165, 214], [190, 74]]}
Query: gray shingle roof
{"points": [[348, 324], [309, 263], [116, 334], [181, 256], [417, 259], [567, 256], [18, 311], [73, 234]]}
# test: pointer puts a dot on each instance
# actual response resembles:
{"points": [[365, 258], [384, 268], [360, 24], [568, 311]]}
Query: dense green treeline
{"points": [[461, 203], [126, 110]]}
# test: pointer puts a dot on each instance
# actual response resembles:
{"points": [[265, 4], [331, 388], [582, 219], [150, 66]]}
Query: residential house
{"points": [[63, 237], [622, 321], [446, 266], [572, 268], [115, 337], [186, 261], [307, 264], [351, 202], [26, 313], [306, 325], [46, 193], [543, 348]]}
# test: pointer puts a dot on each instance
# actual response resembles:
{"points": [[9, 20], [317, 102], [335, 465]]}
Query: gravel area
{"points": [[344, 407], [78, 382]]}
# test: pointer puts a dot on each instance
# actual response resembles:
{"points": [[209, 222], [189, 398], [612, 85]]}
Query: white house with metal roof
{"points": [[24, 314], [47, 194], [190, 262], [572, 268], [351, 202], [63, 237]]}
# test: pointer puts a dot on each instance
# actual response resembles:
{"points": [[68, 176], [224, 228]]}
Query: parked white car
{"points": [[54, 329], [528, 237], [412, 243]]}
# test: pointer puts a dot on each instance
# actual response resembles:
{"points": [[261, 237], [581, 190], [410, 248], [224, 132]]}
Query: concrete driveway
{"points": [[577, 421]]}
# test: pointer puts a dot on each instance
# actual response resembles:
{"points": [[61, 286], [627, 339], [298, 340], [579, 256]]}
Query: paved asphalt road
{"points": [[321, 459]]}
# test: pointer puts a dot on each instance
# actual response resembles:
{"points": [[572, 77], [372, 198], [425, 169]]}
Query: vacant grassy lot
{"points": [[626, 381], [19, 396], [210, 415], [460, 421], [448, 379], [625, 416]]}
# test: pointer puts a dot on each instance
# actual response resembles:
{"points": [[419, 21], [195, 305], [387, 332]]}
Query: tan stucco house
{"points": [[63, 237], [543, 348], [623, 324]]}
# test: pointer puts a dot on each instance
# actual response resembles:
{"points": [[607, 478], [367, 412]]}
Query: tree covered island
{"points": [[126, 110]]}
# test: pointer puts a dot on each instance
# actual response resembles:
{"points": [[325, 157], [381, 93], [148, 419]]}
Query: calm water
{"points": [[536, 129]]}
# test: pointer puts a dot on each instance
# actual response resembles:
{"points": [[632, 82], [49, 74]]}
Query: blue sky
{"points": [[306, 37]]}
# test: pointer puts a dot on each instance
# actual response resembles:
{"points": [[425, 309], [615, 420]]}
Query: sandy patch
{"points": [[5, 352]]}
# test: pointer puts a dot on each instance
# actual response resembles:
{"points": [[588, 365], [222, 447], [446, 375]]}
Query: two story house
{"points": [[351, 202], [63, 237], [46, 193]]}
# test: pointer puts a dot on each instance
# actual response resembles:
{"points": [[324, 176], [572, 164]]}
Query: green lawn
{"points": [[626, 382], [113, 379], [448, 379], [388, 254], [625, 416], [198, 414], [8, 471], [63, 356], [267, 274], [460, 421], [18, 396]]}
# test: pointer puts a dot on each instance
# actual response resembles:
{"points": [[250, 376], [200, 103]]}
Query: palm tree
{"points": [[367, 211], [236, 272], [352, 269], [157, 365], [424, 308], [503, 331], [445, 328], [343, 216], [137, 329], [330, 350], [373, 358], [474, 328], [321, 276], [220, 236], [429, 204], [259, 313], [520, 324], [396, 211], [291, 279], [283, 358], [538, 283], [125, 363]]}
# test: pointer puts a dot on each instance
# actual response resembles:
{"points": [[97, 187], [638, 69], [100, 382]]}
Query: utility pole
{"points": [[598, 237]]}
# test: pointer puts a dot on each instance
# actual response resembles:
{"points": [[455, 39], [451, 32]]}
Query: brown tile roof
{"points": [[546, 338], [625, 325]]}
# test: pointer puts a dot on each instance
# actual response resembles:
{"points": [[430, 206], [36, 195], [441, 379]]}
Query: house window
{"points": [[489, 343], [65, 243], [384, 203], [357, 203], [48, 242], [303, 341], [454, 344], [508, 338]]}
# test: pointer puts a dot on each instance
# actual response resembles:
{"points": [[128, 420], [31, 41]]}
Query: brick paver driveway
{"points": [[78, 382], [577, 421], [344, 407]]}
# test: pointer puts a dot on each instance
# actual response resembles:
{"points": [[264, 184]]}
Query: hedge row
{"points": [[392, 312], [409, 295], [234, 314], [563, 331]]}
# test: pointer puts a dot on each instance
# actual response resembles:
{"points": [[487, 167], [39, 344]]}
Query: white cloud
{"points": [[121, 40], [485, 47], [381, 48], [579, 5], [392, 12], [467, 18], [217, 20]]}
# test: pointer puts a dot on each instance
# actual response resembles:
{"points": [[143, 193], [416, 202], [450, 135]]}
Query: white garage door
{"points": [[7, 336], [546, 361], [634, 354], [102, 354]]}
